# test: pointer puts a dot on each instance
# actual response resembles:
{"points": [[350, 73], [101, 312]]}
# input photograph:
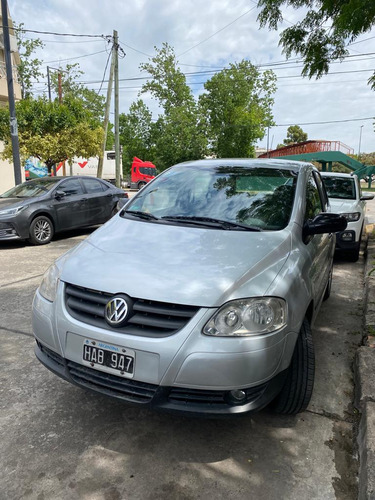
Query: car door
{"points": [[320, 247], [71, 208], [99, 200]]}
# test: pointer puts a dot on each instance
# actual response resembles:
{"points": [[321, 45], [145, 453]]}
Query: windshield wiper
{"points": [[210, 222], [141, 215]]}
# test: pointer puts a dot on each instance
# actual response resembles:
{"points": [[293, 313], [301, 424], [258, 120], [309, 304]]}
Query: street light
{"points": [[360, 137]]}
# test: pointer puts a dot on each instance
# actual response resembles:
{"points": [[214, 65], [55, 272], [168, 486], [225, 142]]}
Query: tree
{"points": [[322, 35], [52, 132], [238, 102], [73, 89], [136, 130], [29, 68], [180, 132], [294, 134]]}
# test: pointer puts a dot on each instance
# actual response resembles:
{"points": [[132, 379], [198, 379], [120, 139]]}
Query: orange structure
{"points": [[309, 147]]}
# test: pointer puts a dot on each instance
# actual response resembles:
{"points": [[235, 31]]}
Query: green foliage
{"points": [[29, 67], [365, 158], [179, 134], [136, 130], [238, 102], [295, 134], [73, 90], [322, 35], [168, 84], [52, 132]]}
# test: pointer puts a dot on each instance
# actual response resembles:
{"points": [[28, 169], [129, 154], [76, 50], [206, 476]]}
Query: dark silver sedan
{"points": [[37, 209]]}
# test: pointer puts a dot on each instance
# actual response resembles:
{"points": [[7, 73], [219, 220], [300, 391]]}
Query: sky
{"points": [[207, 36]]}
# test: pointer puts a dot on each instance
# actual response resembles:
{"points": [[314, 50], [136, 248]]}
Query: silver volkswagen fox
{"points": [[198, 296]]}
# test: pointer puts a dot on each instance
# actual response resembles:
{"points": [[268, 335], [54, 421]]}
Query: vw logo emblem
{"points": [[116, 311]]}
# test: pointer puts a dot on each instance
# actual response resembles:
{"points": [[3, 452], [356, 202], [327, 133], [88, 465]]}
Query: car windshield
{"points": [[29, 189], [340, 187], [251, 197]]}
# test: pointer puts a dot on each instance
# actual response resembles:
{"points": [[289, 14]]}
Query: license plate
{"points": [[112, 358]]}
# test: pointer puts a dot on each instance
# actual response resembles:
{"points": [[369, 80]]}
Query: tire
{"points": [[327, 291], [41, 230], [297, 390], [141, 184], [353, 255]]}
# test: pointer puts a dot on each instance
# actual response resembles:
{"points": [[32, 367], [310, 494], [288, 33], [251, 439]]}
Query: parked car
{"points": [[199, 295], [37, 209], [346, 198]]}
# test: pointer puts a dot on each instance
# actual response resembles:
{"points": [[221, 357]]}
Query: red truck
{"points": [[142, 172]]}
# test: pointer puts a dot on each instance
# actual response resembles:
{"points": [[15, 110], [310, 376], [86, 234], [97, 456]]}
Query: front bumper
{"points": [[179, 370], [8, 231], [193, 402]]}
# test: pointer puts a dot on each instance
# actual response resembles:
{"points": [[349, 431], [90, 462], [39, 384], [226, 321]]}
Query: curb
{"points": [[364, 378]]}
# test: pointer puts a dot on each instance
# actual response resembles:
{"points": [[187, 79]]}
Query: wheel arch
{"points": [[44, 213]]}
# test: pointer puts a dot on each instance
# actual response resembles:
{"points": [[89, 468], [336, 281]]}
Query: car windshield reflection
{"points": [[254, 197], [29, 189]]}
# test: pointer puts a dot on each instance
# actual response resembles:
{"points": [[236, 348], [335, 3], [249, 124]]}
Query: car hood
{"points": [[179, 264], [12, 202], [342, 206]]}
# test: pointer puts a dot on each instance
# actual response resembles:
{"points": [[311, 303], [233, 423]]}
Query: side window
{"points": [[323, 192], [92, 185], [313, 202], [72, 186]]}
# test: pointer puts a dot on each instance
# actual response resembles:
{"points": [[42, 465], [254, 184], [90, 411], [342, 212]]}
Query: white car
{"points": [[346, 198]]}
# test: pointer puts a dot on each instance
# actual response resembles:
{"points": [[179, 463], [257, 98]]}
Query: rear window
{"points": [[340, 187]]}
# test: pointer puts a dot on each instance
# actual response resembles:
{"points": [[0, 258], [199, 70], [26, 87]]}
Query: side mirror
{"points": [[367, 196], [59, 194], [325, 223]]}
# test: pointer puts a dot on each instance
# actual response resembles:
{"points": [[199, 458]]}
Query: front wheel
{"points": [[297, 391], [141, 184], [41, 230]]}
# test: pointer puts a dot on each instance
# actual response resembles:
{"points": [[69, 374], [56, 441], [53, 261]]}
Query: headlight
{"points": [[352, 217], [12, 211], [48, 287], [241, 318]]}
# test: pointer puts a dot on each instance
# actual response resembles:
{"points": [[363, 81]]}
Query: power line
{"points": [[77, 57], [216, 32], [360, 41], [132, 48], [105, 70], [63, 41], [325, 122], [59, 34]]}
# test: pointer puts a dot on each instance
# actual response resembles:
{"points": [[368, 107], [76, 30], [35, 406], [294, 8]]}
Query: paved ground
{"points": [[59, 442]]}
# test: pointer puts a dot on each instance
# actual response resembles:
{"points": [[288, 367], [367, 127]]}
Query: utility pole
{"points": [[12, 106], [106, 114], [360, 138], [268, 141], [60, 86], [49, 85], [117, 120]]}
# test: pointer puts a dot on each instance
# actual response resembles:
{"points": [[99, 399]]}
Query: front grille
{"points": [[212, 398], [111, 385], [147, 318], [56, 358]]}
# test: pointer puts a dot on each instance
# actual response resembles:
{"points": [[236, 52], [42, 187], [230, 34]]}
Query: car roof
{"points": [[337, 174], [248, 162], [63, 178]]}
